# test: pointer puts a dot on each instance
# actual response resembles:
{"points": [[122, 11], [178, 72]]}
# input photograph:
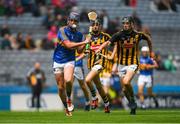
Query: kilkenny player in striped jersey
{"points": [[128, 56], [96, 64]]}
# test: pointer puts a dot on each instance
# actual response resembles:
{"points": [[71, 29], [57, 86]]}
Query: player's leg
{"points": [[38, 97], [68, 79], [151, 94], [128, 90], [88, 81], [150, 91], [141, 95], [79, 74], [59, 76], [101, 91], [33, 97], [141, 83], [86, 94], [61, 90], [106, 83]]}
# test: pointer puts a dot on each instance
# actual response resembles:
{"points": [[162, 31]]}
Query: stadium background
{"points": [[36, 17]]}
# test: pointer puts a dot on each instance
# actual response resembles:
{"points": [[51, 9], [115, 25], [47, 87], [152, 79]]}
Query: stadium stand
{"points": [[15, 65], [164, 28], [26, 24]]}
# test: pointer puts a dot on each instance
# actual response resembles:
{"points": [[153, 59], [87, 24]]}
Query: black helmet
{"points": [[74, 15], [97, 21], [127, 19]]}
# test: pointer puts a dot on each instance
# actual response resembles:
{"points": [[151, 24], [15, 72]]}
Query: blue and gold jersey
{"points": [[61, 53], [146, 60], [78, 63]]}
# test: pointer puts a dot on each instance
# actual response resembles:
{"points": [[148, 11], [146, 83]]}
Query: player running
{"points": [[64, 58], [146, 76], [128, 56], [79, 75], [96, 64]]}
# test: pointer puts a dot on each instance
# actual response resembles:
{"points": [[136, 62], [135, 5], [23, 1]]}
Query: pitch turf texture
{"points": [[120, 116]]}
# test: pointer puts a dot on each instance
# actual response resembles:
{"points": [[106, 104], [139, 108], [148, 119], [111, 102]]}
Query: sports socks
{"points": [[129, 93]]}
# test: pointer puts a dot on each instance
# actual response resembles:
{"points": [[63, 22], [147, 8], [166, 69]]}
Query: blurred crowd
{"points": [[36, 7], [164, 5], [55, 12]]}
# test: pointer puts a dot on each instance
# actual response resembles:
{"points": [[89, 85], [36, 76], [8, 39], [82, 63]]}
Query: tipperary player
{"points": [[79, 75], [146, 76], [128, 56], [64, 58]]}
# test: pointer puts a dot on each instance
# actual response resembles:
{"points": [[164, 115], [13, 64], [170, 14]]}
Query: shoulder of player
{"points": [[141, 33], [119, 33], [31, 71], [105, 34], [62, 28]]}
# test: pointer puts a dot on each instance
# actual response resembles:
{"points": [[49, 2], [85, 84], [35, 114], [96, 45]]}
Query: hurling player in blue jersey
{"points": [[145, 79], [79, 75], [69, 40]]}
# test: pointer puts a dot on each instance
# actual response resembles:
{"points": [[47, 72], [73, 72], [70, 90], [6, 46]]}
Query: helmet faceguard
{"points": [[73, 20], [128, 24], [96, 27]]}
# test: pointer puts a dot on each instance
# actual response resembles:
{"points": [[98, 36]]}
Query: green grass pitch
{"points": [[79, 116]]}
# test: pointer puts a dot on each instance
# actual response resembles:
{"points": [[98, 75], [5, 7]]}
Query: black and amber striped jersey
{"points": [[107, 66], [95, 43], [128, 46]]}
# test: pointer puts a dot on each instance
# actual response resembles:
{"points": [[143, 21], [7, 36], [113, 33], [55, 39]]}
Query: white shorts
{"points": [[97, 68], [59, 67], [105, 81], [78, 73], [145, 80], [122, 69]]}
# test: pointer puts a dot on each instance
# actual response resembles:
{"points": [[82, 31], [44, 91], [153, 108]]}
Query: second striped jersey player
{"points": [[128, 56]]}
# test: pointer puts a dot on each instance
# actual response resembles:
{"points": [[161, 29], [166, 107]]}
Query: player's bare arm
{"points": [[105, 44], [155, 65], [73, 45], [111, 57]]}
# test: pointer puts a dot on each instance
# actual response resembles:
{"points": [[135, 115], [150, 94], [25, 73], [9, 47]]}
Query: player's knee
{"points": [[60, 86], [126, 82], [87, 81], [68, 81], [140, 93], [61, 89]]}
